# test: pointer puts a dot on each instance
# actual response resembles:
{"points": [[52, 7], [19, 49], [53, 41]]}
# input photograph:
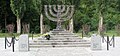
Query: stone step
{"points": [[58, 43], [77, 40], [59, 30], [44, 46], [60, 38], [63, 36]]}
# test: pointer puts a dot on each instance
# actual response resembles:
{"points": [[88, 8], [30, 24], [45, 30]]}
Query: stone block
{"points": [[23, 42], [96, 43]]}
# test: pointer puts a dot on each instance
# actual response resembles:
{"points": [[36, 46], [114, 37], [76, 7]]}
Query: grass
{"points": [[111, 33], [35, 35], [10, 35], [108, 33]]}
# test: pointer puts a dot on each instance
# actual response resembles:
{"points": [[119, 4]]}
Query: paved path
{"points": [[64, 51]]}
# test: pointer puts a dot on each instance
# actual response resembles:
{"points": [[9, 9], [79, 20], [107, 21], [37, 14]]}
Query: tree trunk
{"points": [[25, 28], [5, 23], [18, 25], [100, 28], [71, 25], [41, 24]]}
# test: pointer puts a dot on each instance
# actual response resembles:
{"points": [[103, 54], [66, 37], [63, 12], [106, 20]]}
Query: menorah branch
{"points": [[59, 13]]}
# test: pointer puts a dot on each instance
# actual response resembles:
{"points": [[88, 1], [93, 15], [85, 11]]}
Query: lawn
{"points": [[108, 33], [2, 35]]}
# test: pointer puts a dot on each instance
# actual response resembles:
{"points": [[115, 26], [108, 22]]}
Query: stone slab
{"points": [[23, 42], [96, 43]]}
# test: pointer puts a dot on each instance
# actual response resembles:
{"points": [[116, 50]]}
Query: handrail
{"points": [[82, 34], [11, 43], [15, 39], [32, 34], [110, 42]]}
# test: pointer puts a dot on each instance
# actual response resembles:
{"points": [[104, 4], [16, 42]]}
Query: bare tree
{"points": [[10, 28], [86, 29]]}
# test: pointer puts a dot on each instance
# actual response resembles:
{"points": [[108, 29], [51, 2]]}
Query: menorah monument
{"points": [[59, 13], [59, 37]]}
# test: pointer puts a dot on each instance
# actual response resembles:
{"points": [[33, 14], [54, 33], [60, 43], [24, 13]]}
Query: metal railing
{"points": [[32, 34], [10, 43], [110, 42], [85, 35], [82, 34]]}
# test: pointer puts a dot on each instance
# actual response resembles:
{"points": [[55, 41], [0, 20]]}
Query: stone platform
{"points": [[60, 38]]}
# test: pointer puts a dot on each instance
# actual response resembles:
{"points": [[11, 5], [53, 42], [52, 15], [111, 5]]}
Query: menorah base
{"points": [[59, 28]]}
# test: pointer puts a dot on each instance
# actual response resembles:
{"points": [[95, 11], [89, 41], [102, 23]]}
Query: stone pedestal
{"points": [[96, 43], [23, 42]]}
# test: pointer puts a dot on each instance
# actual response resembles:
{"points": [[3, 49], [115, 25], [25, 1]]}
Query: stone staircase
{"points": [[60, 38]]}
